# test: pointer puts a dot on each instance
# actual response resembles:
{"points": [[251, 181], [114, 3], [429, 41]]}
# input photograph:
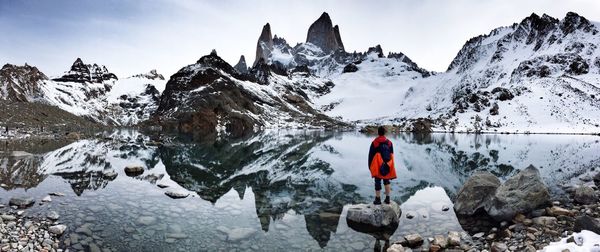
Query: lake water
{"points": [[279, 190]]}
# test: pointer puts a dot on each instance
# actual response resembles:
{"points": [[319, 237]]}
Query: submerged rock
{"points": [[521, 193], [476, 193], [21, 201], [372, 218]]}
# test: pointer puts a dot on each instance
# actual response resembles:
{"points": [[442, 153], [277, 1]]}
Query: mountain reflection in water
{"points": [[312, 174]]}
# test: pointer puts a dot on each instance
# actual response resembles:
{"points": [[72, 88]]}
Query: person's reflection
{"points": [[378, 248]]}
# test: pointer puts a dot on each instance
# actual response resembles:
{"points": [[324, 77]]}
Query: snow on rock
{"points": [[585, 241]]}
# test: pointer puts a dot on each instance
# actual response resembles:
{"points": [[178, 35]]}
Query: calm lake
{"points": [[278, 190]]}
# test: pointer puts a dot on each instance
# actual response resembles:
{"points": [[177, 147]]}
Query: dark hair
{"points": [[381, 130]]}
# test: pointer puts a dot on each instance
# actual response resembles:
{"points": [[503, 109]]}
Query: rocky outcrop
{"points": [[476, 193], [21, 83], [369, 218], [241, 65], [322, 34], [83, 73], [521, 193], [152, 75], [211, 97], [264, 46]]}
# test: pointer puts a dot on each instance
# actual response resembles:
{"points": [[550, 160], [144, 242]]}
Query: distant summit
{"points": [[82, 73], [241, 65], [322, 34], [264, 46]]}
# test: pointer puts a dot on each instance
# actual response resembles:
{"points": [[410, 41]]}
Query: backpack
{"points": [[386, 154]]}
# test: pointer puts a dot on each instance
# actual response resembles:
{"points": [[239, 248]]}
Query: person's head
{"points": [[381, 130]]}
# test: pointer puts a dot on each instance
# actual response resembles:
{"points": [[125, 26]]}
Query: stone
{"points": [[521, 193], [435, 248], [585, 195], [476, 193], [84, 230], [160, 185], [440, 240], [21, 201], [365, 217], [58, 194], [237, 234], [558, 211], [177, 235], [586, 222], [395, 248], [499, 247], [52, 215], [133, 171], [146, 220], [7, 217], [94, 248], [177, 194], [57, 229], [47, 199], [545, 221], [414, 240], [597, 179], [453, 238]]}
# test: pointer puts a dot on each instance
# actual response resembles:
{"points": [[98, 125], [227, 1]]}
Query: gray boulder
{"points": [[586, 222], [521, 193], [21, 201], [585, 195], [369, 218], [476, 193]]}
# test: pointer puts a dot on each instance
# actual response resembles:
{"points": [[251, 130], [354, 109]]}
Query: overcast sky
{"points": [[131, 37]]}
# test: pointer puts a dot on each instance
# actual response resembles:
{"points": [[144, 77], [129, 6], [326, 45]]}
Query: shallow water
{"points": [[271, 191]]}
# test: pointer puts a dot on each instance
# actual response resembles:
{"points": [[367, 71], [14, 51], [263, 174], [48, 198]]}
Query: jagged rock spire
{"points": [[322, 34], [264, 46], [241, 65]]}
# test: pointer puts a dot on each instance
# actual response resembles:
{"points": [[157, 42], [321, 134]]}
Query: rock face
{"points": [[369, 218], [521, 193], [211, 97], [264, 46], [83, 73], [476, 193], [21, 83], [241, 65], [322, 34]]}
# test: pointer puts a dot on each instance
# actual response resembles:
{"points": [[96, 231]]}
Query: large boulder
{"points": [[585, 195], [521, 193], [21, 201], [374, 219], [587, 223], [476, 193]]}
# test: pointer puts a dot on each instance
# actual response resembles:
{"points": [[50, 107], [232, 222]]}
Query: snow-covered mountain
{"points": [[539, 75], [86, 90]]}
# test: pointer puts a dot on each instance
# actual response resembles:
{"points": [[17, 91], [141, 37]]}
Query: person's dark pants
{"points": [[378, 183]]}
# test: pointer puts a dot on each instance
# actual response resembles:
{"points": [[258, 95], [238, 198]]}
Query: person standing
{"points": [[381, 165]]}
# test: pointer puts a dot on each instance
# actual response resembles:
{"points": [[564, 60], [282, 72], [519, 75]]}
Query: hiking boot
{"points": [[387, 200], [377, 201]]}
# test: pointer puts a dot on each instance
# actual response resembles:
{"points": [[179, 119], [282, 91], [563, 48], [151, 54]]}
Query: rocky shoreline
{"points": [[20, 231], [529, 230]]}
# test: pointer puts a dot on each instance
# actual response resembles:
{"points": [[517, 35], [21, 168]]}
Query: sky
{"points": [[135, 36]]}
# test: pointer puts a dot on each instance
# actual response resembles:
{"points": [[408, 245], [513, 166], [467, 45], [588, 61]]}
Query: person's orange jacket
{"points": [[375, 159]]}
